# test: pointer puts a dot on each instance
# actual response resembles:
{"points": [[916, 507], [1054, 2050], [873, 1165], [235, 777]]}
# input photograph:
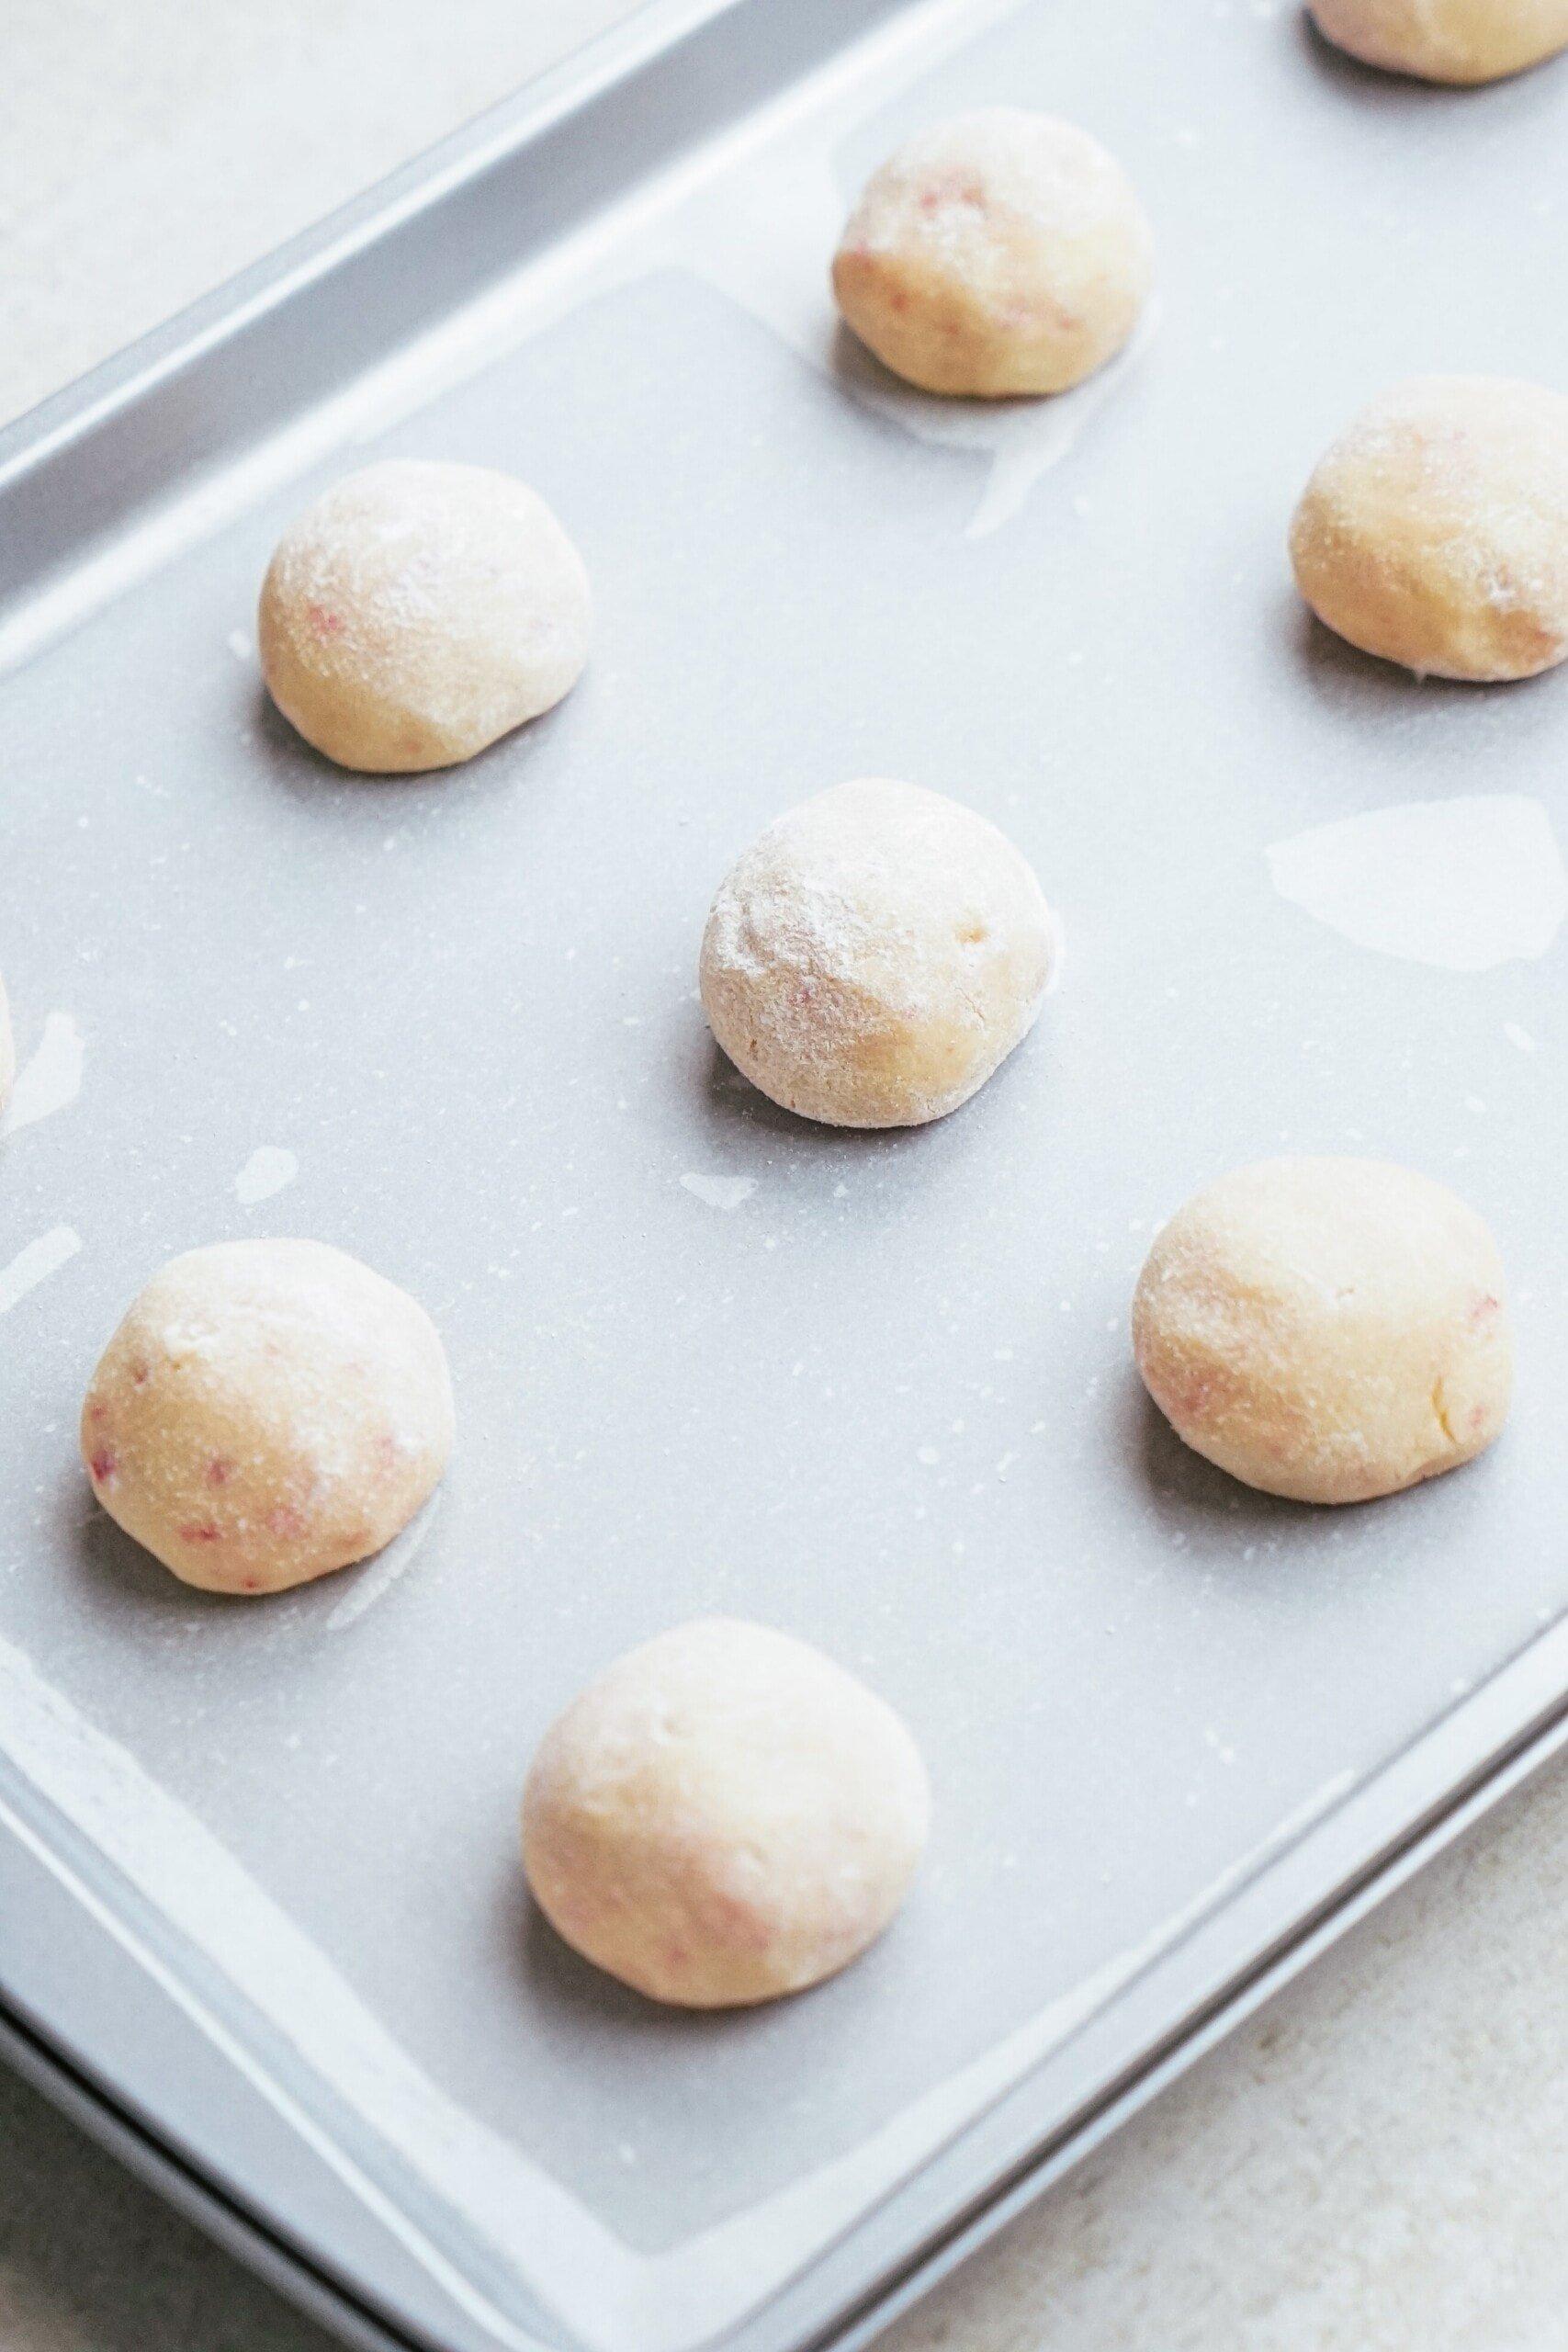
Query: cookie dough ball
{"points": [[1002, 251], [1435, 532], [875, 955], [1446, 40], [267, 1411], [418, 612], [723, 1816], [1328, 1329]]}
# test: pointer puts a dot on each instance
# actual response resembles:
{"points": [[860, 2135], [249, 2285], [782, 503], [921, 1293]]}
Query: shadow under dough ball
{"points": [[1327, 1330], [418, 612], [997, 253], [875, 955], [267, 1411], [1446, 40], [1435, 532], [723, 1816]]}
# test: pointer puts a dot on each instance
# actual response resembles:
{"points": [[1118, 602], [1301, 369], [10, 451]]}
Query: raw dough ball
{"points": [[1435, 532], [267, 1411], [1330, 1329], [875, 955], [418, 612], [1446, 40], [724, 1816], [1002, 251]]}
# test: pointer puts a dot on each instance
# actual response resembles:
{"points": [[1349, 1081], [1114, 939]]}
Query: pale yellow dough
{"points": [[1435, 531], [723, 1816], [875, 955], [1446, 40], [417, 612], [1328, 1329], [267, 1411], [1002, 251]]}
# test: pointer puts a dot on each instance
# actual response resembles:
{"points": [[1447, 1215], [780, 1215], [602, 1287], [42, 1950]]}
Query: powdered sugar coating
{"points": [[1002, 251], [417, 612], [1446, 40], [1435, 531], [723, 1816], [1328, 1329], [267, 1411], [875, 955]]}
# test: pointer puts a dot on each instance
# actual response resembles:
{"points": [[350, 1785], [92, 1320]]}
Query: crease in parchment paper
{"points": [[36, 1262], [49, 1080], [376, 1576]]}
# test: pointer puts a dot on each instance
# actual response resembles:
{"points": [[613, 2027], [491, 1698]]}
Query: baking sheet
{"points": [[874, 1388]]}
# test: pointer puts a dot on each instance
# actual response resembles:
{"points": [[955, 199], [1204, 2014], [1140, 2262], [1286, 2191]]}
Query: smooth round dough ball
{"points": [[1435, 532], [723, 1816], [875, 955], [267, 1411], [1328, 1329], [1446, 40], [418, 612], [1001, 253]]}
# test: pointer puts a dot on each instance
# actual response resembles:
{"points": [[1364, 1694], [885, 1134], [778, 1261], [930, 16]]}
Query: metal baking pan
{"points": [[260, 1910]]}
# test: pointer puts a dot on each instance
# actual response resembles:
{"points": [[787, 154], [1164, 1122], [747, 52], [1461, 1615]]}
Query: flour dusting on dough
{"points": [[36, 1264], [266, 1172], [1466, 883], [51, 1080]]}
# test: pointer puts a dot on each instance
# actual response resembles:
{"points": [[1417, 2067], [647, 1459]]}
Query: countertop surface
{"points": [[1376, 2161]]}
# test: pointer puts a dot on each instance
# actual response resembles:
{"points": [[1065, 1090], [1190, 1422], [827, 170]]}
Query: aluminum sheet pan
{"points": [[872, 1387]]}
